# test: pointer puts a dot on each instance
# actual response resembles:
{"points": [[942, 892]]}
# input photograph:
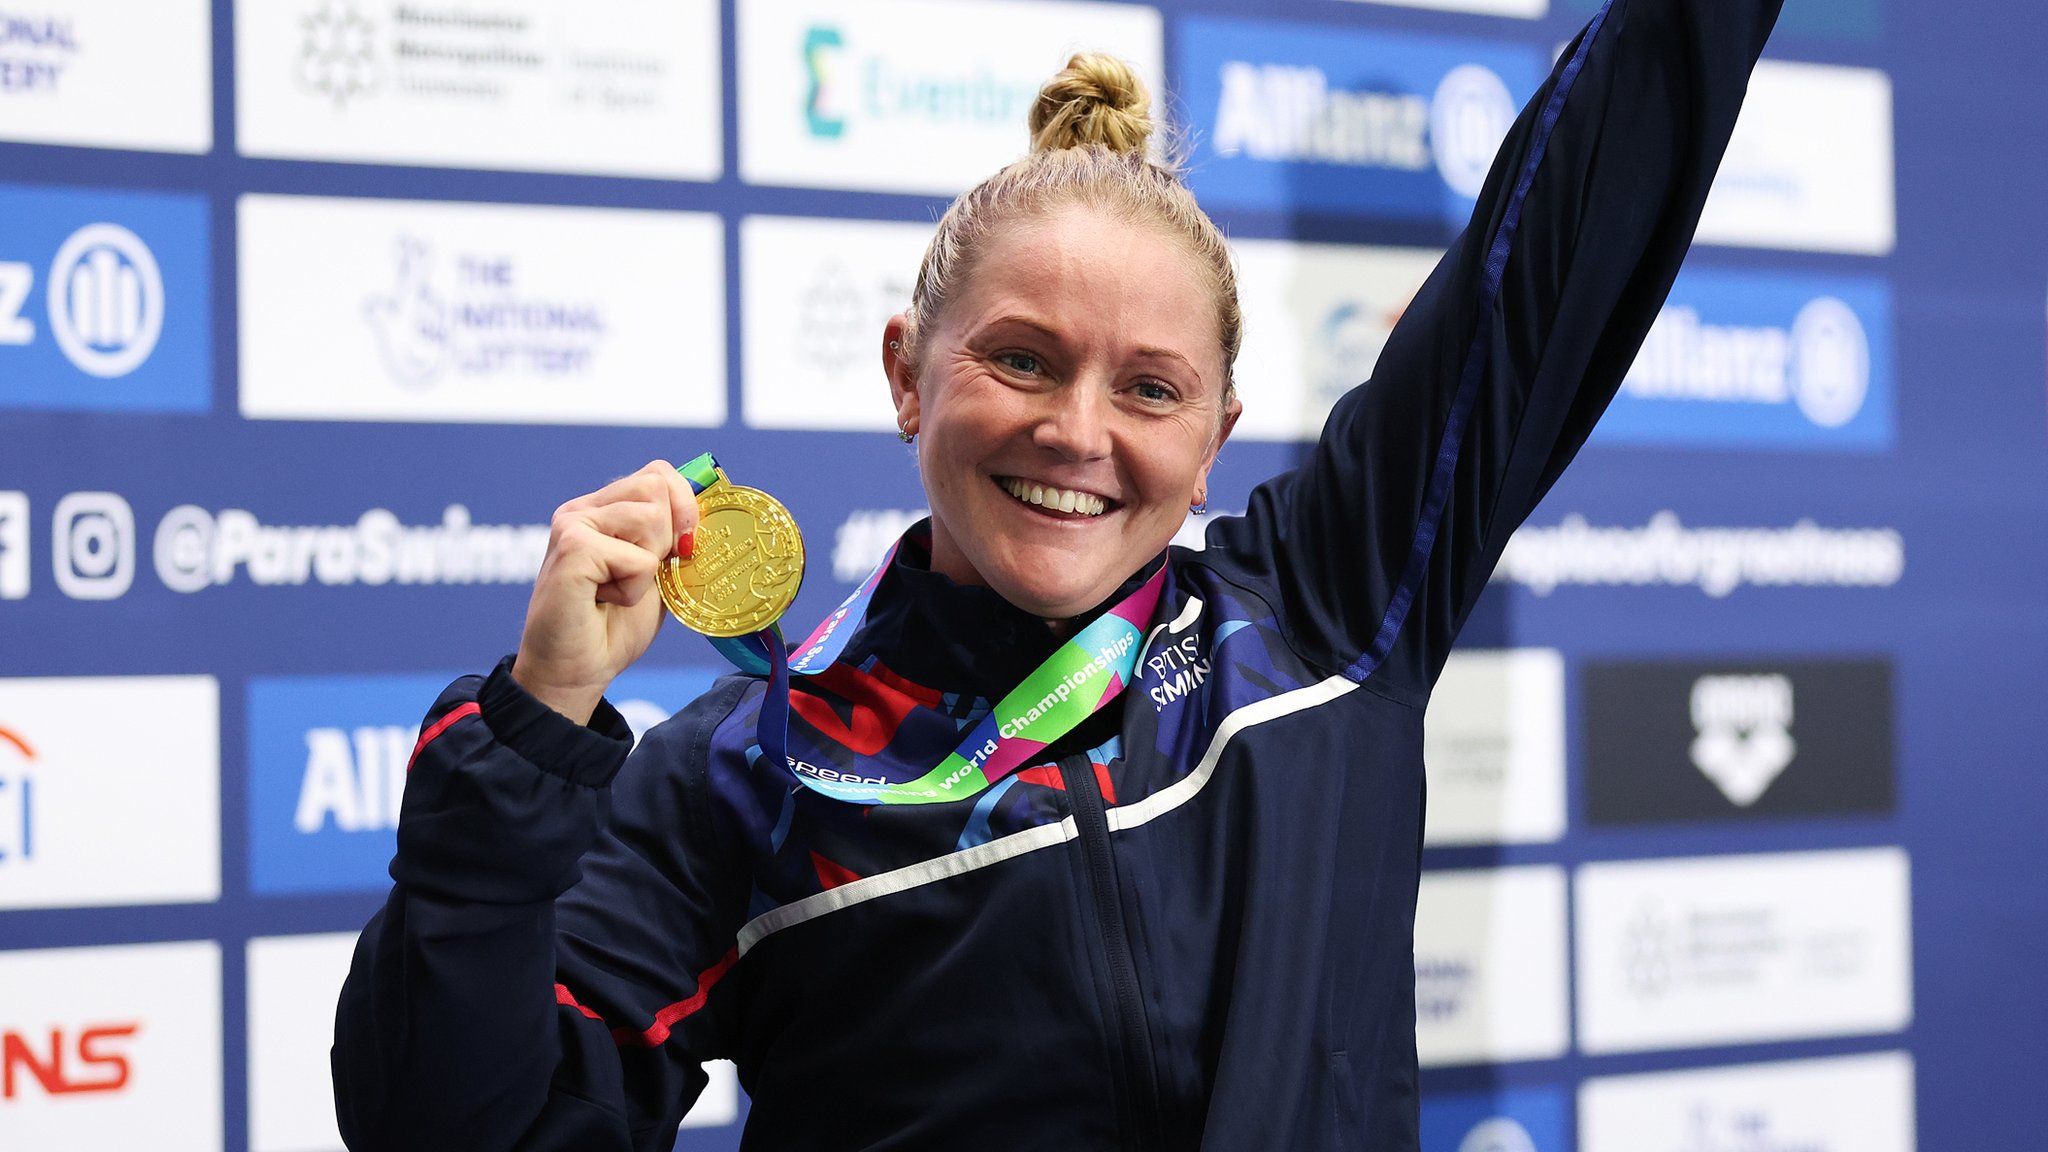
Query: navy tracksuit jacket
{"points": [[1190, 928]]}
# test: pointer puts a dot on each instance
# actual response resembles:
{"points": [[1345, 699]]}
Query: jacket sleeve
{"points": [[539, 976], [1377, 546]]}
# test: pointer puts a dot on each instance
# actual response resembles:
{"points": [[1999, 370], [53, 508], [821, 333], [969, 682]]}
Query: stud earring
{"points": [[895, 345], [905, 434]]}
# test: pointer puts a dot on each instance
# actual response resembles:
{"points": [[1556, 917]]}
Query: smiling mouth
{"points": [[1066, 503]]}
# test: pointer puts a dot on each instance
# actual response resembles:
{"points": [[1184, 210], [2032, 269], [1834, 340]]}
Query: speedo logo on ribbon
{"points": [[1746, 359]]}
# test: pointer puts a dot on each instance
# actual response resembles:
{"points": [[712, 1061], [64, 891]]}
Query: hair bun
{"points": [[1096, 99]]}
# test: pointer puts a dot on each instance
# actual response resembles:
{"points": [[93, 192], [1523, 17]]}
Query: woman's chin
{"points": [[1051, 599]]}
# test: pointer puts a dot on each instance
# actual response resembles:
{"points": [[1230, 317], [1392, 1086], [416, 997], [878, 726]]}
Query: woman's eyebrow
{"points": [[1043, 329], [1052, 334]]}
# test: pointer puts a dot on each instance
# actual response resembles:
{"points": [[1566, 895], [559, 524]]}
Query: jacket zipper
{"points": [[1137, 1073]]}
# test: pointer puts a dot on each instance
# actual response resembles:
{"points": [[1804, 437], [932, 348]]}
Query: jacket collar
{"points": [[959, 637]]}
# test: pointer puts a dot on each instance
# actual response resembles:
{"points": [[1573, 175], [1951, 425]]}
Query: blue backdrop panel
{"points": [[1901, 530]]}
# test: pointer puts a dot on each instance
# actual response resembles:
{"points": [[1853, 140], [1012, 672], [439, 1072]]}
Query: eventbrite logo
{"points": [[823, 45]]}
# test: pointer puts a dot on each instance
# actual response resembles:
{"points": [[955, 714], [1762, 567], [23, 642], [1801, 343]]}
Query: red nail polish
{"points": [[686, 544]]}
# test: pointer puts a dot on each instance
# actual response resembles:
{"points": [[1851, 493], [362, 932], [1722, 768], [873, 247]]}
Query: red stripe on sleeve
{"points": [[567, 999], [656, 1033], [458, 713]]}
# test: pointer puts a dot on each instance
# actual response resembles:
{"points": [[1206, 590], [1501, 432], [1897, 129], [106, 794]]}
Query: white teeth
{"points": [[1057, 499]]}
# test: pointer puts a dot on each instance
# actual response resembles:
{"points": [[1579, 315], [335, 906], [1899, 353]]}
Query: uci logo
{"points": [[105, 300]]}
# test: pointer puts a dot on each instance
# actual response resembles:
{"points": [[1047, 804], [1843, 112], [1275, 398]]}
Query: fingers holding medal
{"points": [[590, 616]]}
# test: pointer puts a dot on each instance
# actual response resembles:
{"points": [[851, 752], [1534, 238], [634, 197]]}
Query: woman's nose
{"points": [[1076, 424]]}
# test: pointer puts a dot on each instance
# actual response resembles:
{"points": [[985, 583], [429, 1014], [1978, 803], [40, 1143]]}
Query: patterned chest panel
{"points": [[1210, 652]]}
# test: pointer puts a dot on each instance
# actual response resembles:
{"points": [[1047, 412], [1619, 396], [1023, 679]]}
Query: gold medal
{"points": [[745, 569]]}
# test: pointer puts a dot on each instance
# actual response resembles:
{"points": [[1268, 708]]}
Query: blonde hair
{"points": [[1089, 129]]}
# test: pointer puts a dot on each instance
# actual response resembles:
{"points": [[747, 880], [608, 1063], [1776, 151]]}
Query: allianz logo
{"points": [[842, 83], [104, 296], [1292, 113], [354, 778], [1821, 363], [1498, 1134]]}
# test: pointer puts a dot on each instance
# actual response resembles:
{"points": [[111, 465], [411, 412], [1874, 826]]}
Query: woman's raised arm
{"points": [[1378, 545]]}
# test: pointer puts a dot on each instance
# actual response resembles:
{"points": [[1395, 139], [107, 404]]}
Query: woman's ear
{"points": [[896, 364], [1231, 411]]}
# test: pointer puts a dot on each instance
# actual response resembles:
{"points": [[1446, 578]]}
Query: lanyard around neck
{"points": [[1081, 677]]}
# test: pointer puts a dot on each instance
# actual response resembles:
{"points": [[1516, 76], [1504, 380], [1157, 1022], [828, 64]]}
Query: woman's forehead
{"points": [[1081, 269]]}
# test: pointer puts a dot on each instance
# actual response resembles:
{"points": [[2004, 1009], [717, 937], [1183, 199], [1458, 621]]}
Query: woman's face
{"points": [[1068, 406]]}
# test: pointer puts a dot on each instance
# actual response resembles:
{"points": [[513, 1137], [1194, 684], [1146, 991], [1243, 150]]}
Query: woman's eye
{"points": [[1153, 392], [1023, 362]]}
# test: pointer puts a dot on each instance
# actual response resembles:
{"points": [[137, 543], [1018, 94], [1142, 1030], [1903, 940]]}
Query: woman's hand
{"points": [[595, 608]]}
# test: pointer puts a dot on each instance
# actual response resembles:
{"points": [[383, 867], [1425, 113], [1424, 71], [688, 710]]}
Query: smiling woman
{"points": [[961, 887], [1071, 401], [1067, 355]]}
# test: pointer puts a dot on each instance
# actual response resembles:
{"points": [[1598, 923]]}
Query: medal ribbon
{"points": [[1081, 677]]}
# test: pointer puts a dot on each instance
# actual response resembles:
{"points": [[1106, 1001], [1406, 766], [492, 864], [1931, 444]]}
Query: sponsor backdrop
{"points": [[311, 311]]}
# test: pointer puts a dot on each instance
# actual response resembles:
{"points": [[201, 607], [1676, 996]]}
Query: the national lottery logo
{"points": [[36, 49], [466, 313]]}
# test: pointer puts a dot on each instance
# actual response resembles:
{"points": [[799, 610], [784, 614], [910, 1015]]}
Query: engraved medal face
{"points": [[747, 566]]}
